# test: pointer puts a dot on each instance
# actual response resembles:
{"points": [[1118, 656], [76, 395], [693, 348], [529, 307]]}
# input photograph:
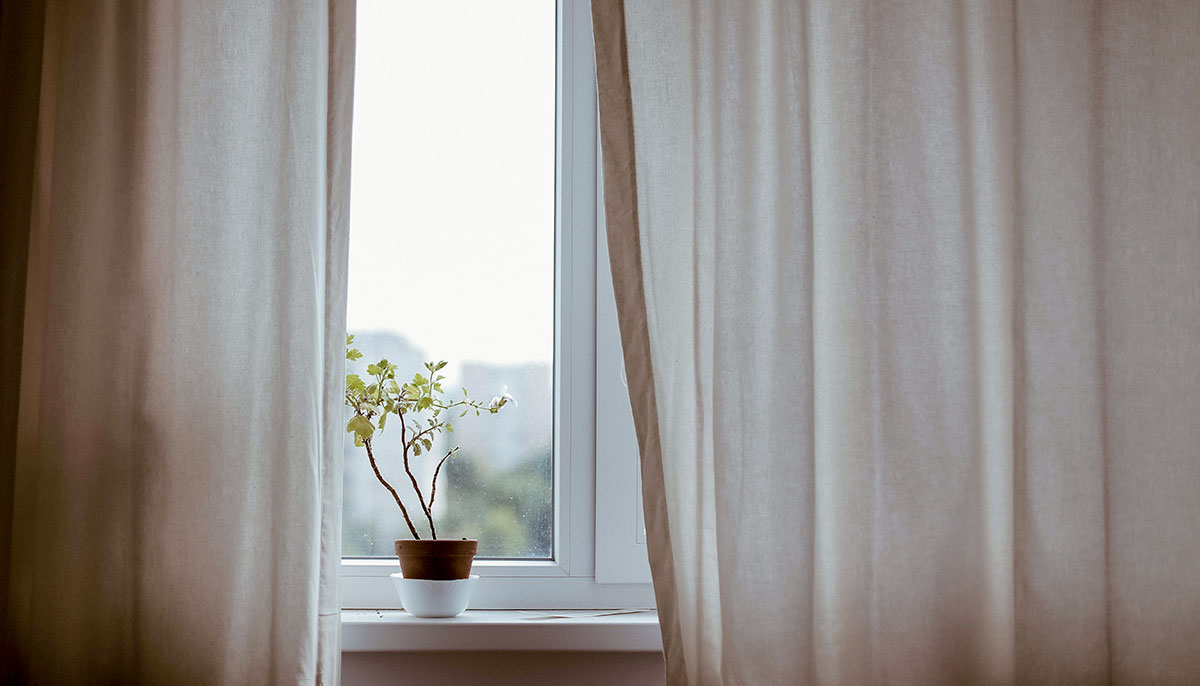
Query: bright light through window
{"points": [[452, 257]]}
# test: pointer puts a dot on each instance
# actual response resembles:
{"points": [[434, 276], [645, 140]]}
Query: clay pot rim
{"points": [[435, 543]]}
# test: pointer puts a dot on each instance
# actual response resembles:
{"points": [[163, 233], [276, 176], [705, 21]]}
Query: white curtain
{"points": [[910, 299], [174, 301]]}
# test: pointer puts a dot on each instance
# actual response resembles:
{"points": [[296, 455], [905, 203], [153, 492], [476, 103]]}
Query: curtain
{"points": [[910, 300], [175, 235]]}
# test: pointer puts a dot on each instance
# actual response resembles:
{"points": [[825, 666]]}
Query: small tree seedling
{"points": [[421, 408]]}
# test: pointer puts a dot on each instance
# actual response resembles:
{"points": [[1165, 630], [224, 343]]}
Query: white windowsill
{"points": [[591, 630]]}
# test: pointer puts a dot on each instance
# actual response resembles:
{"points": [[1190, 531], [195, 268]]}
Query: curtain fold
{"points": [[910, 294], [176, 476]]}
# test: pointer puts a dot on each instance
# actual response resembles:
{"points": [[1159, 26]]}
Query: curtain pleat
{"points": [[176, 479], [910, 294], [620, 188], [340, 98]]}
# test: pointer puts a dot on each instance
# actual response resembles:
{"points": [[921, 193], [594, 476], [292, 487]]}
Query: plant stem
{"points": [[403, 511], [416, 437], [416, 486], [459, 403], [433, 489]]}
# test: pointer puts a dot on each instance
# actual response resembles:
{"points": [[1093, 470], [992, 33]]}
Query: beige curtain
{"points": [[910, 299], [175, 211]]}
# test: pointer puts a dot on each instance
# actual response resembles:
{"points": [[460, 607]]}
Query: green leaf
{"points": [[358, 441], [427, 443], [360, 426], [353, 382], [382, 421], [440, 365], [351, 353], [373, 369], [416, 448]]}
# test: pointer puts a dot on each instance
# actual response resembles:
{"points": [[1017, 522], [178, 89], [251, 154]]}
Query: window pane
{"points": [[452, 258]]}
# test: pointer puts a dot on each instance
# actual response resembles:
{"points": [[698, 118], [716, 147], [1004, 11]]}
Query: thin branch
{"points": [[474, 404], [416, 486], [422, 432], [433, 489], [378, 475]]}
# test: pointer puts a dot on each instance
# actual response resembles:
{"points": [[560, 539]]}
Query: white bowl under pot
{"points": [[434, 597]]}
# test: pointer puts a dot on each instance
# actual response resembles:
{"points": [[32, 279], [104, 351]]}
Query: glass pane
{"points": [[452, 258]]}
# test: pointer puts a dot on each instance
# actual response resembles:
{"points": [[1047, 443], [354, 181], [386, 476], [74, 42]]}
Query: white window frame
{"points": [[599, 553], [621, 556]]}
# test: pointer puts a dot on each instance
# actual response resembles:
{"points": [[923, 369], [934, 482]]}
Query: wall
{"points": [[503, 668]]}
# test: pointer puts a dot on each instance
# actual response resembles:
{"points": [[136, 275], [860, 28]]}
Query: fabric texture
{"points": [[180, 225], [910, 295]]}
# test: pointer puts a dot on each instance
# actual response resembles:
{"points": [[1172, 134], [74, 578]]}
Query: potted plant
{"points": [[423, 413]]}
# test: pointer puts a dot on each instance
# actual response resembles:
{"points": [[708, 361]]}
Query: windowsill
{"points": [[587, 630]]}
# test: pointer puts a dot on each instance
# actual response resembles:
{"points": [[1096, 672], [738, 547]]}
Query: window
{"points": [[452, 258], [475, 157]]}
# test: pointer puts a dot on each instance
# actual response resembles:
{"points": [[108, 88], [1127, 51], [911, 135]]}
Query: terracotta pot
{"points": [[427, 559]]}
